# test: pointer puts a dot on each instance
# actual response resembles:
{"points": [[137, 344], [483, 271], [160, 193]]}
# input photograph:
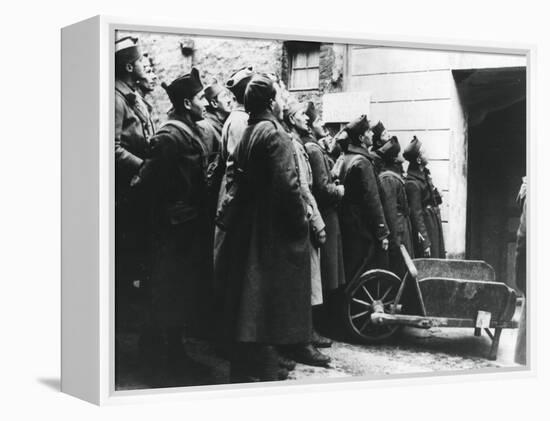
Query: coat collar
{"points": [[265, 116], [416, 173], [354, 149], [126, 91]]}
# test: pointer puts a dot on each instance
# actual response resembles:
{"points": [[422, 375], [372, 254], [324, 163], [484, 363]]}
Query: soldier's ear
{"points": [[187, 104], [129, 67]]}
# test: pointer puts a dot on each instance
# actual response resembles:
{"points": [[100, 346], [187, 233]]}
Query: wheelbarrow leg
{"points": [[477, 331], [494, 346]]}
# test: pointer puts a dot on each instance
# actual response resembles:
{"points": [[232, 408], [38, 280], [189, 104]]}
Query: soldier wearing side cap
{"points": [[237, 120], [176, 173], [263, 261], [219, 106], [133, 129], [396, 207], [296, 120], [328, 194], [424, 201], [362, 221], [378, 137]]}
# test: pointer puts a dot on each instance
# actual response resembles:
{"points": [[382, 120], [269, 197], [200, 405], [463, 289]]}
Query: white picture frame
{"points": [[88, 204]]}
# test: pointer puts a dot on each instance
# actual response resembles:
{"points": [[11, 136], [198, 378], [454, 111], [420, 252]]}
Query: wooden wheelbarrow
{"points": [[432, 293]]}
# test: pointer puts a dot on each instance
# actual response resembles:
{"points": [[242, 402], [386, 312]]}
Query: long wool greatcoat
{"points": [[327, 197], [362, 218], [316, 222], [181, 272], [133, 128], [425, 215], [396, 210], [262, 262]]}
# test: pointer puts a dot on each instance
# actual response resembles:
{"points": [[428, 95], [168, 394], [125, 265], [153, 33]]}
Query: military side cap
{"points": [[412, 150], [389, 151], [357, 126], [377, 131], [259, 90], [238, 80], [127, 50], [212, 91], [311, 112], [240, 76], [184, 87]]}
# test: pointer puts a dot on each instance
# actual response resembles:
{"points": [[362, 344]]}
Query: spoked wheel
{"points": [[374, 290]]}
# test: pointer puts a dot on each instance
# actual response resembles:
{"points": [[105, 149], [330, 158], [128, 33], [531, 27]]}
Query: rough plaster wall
{"points": [[216, 58]]}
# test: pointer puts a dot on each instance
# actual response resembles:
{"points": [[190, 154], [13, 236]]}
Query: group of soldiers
{"points": [[243, 217]]}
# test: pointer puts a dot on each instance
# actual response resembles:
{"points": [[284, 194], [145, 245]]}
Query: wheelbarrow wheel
{"points": [[373, 288]]}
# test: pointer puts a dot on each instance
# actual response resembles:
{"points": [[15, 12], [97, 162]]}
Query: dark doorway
{"points": [[496, 165]]}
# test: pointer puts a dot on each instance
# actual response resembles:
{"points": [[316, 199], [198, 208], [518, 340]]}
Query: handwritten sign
{"points": [[345, 106]]}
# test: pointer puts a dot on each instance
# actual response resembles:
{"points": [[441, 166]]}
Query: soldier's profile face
{"points": [[301, 120], [149, 82], [197, 106], [225, 101], [278, 102], [318, 127], [367, 137], [138, 69]]}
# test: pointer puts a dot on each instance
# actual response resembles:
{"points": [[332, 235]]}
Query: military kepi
{"points": [[184, 87], [412, 150], [127, 50]]}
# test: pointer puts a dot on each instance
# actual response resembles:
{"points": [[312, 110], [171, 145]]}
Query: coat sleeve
{"points": [[316, 220], [324, 189], [390, 207], [155, 172], [371, 198], [123, 158], [415, 207], [285, 183]]}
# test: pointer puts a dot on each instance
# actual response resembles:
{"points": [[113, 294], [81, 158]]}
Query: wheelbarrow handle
{"points": [[408, 261]]}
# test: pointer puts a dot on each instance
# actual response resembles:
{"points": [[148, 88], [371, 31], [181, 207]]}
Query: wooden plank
{"points": [[412, 115], [436, 143], [404, 86], [392, 60]]}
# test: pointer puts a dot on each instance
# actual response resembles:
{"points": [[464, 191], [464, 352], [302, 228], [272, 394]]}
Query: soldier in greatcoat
{"points": [[362, 221], [296, 120], [263, 263], [328, 195], [133, 129], [176, 173], [424, 201], [396, 207]]}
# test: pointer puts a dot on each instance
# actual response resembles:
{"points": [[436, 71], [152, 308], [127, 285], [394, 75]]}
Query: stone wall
{"points": [[218, 57]]}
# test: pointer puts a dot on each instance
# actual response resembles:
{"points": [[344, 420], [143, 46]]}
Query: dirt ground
{"points": [[412, 351]]}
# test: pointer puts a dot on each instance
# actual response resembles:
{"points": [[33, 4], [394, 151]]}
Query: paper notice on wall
{"points": [[345, 106]]}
